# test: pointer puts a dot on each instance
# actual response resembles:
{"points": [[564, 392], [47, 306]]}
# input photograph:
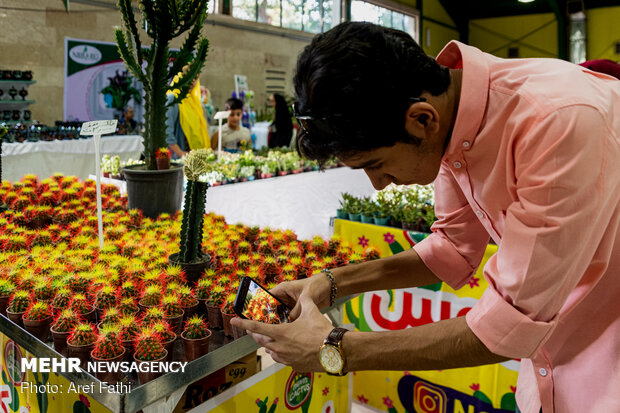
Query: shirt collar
{"points": [[474, 91]]}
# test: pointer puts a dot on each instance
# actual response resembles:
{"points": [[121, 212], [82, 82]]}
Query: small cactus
{"points": [[170, 306], [165, 332], [152, 296], [108, 344], [106, 297], [19, 302], [148, 345], [65, 321], [62, 298], [80, 304], [129, 327], [152, 315], [37, 311], [6, 288], [82, 334], [196, 327]]}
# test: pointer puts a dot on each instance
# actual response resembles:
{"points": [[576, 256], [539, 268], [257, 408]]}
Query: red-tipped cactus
{"points": [[66, 321], [196, 327], [106, 297], [152, 296], [170, 306], [108, 344], [148, 345], [80, 304], [82, 334], [19, 302], [152, 315], [37, 311]]}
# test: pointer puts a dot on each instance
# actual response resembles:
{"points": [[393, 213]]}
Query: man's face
{"points": [[234, 119], [401, 164], [129, 113]]}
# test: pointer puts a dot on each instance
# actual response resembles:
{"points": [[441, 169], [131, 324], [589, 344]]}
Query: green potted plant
{"points": [[162, 157], [120, 92], [61, 300], [127, 306], [81, 342], [164, 21], [61, 328], [18, 305], [6, 289], [173, 313], [190, 257], [109, 317], [196, 336], [188, 302], [37, 320], [81, 306], [152, 315], [151, 297], [203, 288], [213, 304], [108, 348], [148, 349], [129, 327]]}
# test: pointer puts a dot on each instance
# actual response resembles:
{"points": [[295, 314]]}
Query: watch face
{"points": [[330, 359]]}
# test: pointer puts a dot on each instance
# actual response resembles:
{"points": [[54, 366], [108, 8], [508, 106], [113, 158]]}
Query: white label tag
{"points": [[99, 127]]}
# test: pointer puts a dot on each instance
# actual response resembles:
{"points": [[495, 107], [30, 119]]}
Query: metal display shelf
{"points": [[159, 395], [162, 394]]}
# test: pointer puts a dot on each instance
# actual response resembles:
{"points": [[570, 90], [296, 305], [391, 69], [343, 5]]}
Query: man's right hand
{"points": [[317, 287]]}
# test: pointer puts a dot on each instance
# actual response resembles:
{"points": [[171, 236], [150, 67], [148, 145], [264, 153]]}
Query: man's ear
{"points": [[421, 119]]}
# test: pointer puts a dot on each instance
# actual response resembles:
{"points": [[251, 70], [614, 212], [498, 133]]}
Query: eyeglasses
{"points": [[324, 125]]}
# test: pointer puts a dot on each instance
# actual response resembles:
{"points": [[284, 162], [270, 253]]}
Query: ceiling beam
{"points": [[559, 10]]}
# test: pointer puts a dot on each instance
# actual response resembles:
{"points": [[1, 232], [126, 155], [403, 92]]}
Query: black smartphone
{"points": [[254, 302]]}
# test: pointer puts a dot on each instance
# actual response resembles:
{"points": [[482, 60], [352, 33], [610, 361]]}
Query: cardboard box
{"points": [[215, 383]]}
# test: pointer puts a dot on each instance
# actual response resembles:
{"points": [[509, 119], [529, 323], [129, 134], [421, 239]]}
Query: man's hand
{"points": [[295, 344], [317, 288]]}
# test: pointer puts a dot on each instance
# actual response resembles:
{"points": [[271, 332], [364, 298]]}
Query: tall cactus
{"points": [[194, 207], [164, 20]]}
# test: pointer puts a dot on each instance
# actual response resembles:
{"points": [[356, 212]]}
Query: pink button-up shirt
{"points": [[534, 163]]}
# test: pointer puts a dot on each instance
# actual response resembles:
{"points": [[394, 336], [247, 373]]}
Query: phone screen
{"points": [[256, 303]]}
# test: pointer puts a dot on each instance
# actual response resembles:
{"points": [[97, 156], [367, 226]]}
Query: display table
{"points": [[488, 388], [70, 157], [301, 202]]}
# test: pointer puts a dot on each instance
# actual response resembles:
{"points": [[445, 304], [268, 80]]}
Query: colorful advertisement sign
{"points": [[35, 392], [487, 389], [90, 67]]}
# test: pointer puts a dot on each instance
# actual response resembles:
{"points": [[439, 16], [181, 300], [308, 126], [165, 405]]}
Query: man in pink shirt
{"points": [[524, 152]]}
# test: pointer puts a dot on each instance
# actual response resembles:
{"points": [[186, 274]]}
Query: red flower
{"points": [[475, 386]]}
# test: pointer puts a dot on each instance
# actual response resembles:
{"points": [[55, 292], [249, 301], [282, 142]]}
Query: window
{"points": [[313, 16], [367, 12]]}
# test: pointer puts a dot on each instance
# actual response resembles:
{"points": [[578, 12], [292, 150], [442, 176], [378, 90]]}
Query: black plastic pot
{"points": [[193, 271], [154, 192]]}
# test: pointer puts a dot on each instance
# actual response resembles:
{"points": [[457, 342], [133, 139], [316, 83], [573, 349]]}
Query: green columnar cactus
{"points": [[194, 208], [196, 327], [165, 20]]}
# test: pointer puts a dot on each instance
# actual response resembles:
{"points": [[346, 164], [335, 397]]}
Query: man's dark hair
{"points": [[356, 79], [234, 103]]}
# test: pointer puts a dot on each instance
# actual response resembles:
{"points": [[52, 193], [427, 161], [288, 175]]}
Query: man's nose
{"points": [[377, 179]]}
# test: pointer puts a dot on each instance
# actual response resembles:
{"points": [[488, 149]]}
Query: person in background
{"points": [[609, 67], [130, 126], [232, 132], [186, 127], [281, 129], [207, 104]]}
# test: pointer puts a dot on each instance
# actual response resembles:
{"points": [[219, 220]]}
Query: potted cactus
{"points": [[162, 158], [188, 302], [151, 297], [173, 313], [148, 349], [6, 289], [228, 313], [168, 337], [129, 329], [109, 317], [190, 257], [37, 320], [18, 305], [202, 290], [153, 315], [61, 328], [81, 306], [81, 342], [105, 298], [108, 348], [61, 300], [213, 304], [196, 336], [128, 306], [149, 189]]}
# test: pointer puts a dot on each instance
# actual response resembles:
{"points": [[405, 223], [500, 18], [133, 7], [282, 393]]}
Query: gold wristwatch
{"points": [[331, 355]]}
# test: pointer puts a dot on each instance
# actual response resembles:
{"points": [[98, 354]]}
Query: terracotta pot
{"points": [[145, 377], [128, 344], [162, 163], [110, 377], [60, 341], [16, 317], [214, 315], [90, 316], [188, 312], [226, 322], [39, 328], [175, 323], [195, 348], [81, 352], [169, 346], [202, 306], [4, 303]]}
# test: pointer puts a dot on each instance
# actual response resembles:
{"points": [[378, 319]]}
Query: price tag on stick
{"points": [[220, 116], [97, 128]]}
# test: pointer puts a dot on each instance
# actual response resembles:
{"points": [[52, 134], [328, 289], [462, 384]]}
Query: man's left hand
{"points": [[295, 344]]}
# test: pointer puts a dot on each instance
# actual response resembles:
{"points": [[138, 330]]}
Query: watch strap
{"points": [[335, 336]]}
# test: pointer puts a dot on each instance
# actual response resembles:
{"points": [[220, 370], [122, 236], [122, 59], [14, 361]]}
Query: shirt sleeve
{"points": [[455, 249], [551, 232]]}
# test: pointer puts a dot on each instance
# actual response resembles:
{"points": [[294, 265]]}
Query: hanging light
{"points": [[525, 1]]}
